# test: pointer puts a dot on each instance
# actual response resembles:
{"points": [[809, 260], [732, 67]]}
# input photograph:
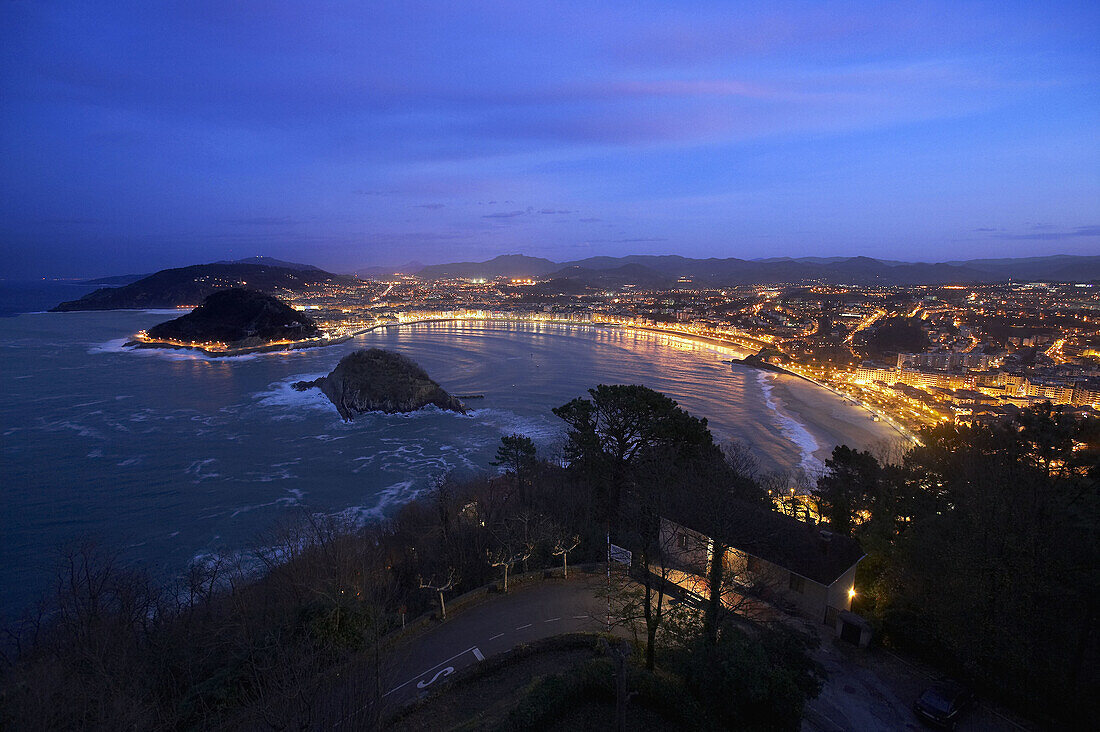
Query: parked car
{"points": [[943, 703]]}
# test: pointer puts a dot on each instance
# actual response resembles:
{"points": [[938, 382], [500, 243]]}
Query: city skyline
{"points": [[140, 138]]}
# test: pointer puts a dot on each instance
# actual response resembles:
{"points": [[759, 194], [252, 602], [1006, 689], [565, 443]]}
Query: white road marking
{"points": [[524, 626], [551, 620], [433, 668], [477, 654], [498, 635], [441, 672], [579, 617]]}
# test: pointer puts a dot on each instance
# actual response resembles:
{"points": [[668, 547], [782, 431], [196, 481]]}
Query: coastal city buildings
{"points": [[916, 355]]}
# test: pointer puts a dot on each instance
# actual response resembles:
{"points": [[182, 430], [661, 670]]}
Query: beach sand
{"points": [[831, 419]]}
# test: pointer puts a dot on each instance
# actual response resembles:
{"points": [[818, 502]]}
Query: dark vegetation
{"points": [[238, 317], [266, 640], [897, 335], [171, 288], [376, 380], [983, 554], [982, 558]]}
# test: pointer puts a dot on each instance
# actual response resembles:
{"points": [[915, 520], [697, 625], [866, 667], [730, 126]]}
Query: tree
{"points": [[518, 456], [647, 454], [729, 502], [563, 543], [984, 554], [847, 488], [440, 585], [507, 553], [615, 430], [752, 681]]}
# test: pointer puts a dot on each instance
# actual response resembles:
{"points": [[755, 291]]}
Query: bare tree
{"points": [[563, 544], [440, 587], [506, 554]]}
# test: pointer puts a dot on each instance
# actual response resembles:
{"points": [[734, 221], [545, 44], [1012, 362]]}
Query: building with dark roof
{"points": [[801, 566]]}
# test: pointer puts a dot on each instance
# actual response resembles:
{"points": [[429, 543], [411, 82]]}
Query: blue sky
{"points": [[136, 136]]}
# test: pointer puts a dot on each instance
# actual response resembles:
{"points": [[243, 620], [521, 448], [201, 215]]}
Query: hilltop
{"points": [[376, 380], [662, 270], [172, 288], [238, 318]]}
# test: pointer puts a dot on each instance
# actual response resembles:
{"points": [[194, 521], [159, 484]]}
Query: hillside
{"points": [[172, 288], [270, 262], [506, 265], [659, 270], [376, 380], [238, 317]]}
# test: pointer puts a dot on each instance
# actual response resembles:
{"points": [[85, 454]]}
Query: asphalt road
{"points": [[525, 614]]}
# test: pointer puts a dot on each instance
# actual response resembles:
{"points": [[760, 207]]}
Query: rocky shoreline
{"points": [[244, 350], [376, 380]]}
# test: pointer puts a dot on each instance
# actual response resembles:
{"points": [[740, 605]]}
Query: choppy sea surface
{"points": [[170, 456]]}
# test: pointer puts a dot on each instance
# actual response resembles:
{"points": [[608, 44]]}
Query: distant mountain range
{"points": [[665, 270], [170, 288], [190, 285], [376, 272], [119, 280]]}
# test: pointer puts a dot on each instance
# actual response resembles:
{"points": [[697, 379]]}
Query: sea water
{"points": [[169, 456]]}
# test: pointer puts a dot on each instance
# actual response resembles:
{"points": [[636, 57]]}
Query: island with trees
{"points": [[377, 380], [236, 322]]}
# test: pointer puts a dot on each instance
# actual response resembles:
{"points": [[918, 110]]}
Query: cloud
{"points": [[1053, 235], [432, 206], [265, 221], [625, 241], [552, 211], [589, 220], [508, 214], [985, 228]]}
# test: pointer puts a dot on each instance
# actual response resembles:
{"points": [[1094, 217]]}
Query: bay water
{"points": [[169, 456]]}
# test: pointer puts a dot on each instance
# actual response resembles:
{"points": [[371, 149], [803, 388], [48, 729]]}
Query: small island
{"points": [[377, 380], [235, 321]]}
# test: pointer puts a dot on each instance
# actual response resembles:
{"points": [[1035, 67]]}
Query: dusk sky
{"points": [[138, 136]]}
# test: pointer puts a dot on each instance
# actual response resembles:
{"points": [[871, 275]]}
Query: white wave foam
{"points": [[115, 345], [282, 395], [397, 493], [294, 499], [792, 429], [539, 429], [199, 469], [61, 425]]}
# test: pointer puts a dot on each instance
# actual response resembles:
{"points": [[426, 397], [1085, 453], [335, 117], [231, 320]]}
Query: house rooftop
{"points": [[810, 550]]}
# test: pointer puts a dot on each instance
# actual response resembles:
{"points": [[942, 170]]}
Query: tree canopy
{"points": [[983, 551], [625, 427]]}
